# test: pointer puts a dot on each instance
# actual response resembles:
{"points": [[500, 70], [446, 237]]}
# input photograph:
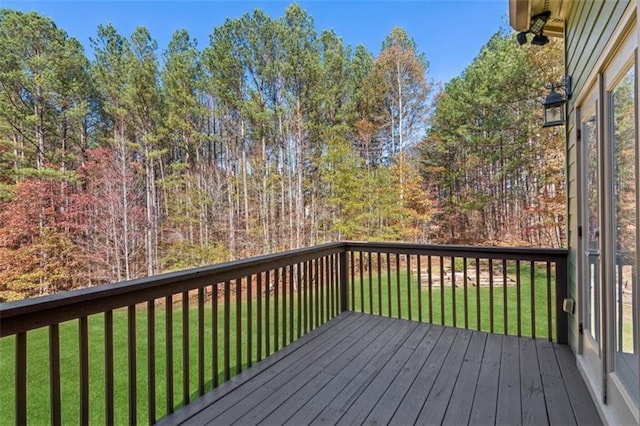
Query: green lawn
{"points": [[38, 346], [38, 363], [409, 294]]}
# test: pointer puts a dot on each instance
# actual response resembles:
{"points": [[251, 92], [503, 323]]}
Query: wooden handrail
{"points": [[509, 253], [22, 316]]}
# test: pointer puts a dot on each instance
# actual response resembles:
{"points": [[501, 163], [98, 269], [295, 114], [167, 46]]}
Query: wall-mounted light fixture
{"points": [[536, 28], [554, 103]]}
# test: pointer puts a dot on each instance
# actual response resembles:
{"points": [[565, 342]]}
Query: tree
{"points": [[401, 72], [182, 80], [143, 101], [111, 73], [39, 239], [43, 75], [486, 152]]}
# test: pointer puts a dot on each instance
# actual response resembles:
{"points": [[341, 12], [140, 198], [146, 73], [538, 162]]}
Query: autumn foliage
{"points": [[271, 137]]}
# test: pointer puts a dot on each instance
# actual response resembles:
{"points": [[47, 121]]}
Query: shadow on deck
{"points": [[367, 369]]}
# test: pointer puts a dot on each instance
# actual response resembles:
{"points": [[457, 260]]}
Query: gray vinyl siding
{"points": [[589, 27]]}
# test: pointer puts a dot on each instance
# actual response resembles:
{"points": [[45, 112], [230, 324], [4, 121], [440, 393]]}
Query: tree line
{"points": [[273, 136]]}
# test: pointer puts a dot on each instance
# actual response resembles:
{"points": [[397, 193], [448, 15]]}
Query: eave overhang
{"points": [[521, 11]]}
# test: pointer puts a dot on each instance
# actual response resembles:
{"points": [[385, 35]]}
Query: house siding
{"points": [[589, 27]]}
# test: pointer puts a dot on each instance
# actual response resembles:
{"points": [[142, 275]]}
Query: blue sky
{"points": [[449, 32]]}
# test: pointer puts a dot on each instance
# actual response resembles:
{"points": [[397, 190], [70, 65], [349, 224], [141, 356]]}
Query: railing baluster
{"points": [[335, 284], [276, 321], [352, 265], [327, 284], [249, 284], [290, 269], [316, 285], [442, 305], [370, 282], [54, 374], [478, 315], [453, 291], [151, 361], [343, 281], [504, 297], [168, 302], [389, 285], [308, 296], [379, 284], [533, 299], [305, 296], [491, 295], [518, 299], [299, 279], [560, 294], [408, 256], [549, 301], [227, 330], [215, 346], [465, 278], [132, 346], [267, 313], [201, 341], [324, 315], [313, 294], [21, 379], [84, 370], [398, 286], [259, 315], [109, 418], [332, 292], [185, 347], [361, 282], [430, 277], [419, 279], [238, 325], [284, 306]]}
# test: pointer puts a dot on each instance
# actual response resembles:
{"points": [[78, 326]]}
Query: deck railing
{"points": [[176, 336], [515, 291]]}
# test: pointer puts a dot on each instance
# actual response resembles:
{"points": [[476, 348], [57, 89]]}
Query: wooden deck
{"points": [[365, 369]]}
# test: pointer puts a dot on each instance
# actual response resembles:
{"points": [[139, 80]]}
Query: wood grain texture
{"points": [[374, 370]]}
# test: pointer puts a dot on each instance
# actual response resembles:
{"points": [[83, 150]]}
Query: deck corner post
{"points": [[344, 280], [562, 327]]}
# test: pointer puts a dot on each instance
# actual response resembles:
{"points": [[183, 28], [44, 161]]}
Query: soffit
{"points": [[521, 11]]}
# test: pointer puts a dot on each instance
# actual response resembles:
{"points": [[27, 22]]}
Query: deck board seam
{"points": [[336, 351], [185, 414], [422, 372], [351, 370], [367, 379], [300, 370]]}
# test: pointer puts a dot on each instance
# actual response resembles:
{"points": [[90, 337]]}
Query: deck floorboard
{"points": [[373, 370]]}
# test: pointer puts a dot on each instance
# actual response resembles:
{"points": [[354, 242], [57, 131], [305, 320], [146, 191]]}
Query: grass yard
{"points": [[38, 344], [38, 364], [444, 296]]}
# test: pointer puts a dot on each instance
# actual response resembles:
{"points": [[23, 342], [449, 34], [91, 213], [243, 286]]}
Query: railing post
{"points": [[344, 281], [562, 327]]}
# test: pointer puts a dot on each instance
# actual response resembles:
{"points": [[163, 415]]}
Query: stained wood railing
{"points": [[176, 336], [515, 291]]}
